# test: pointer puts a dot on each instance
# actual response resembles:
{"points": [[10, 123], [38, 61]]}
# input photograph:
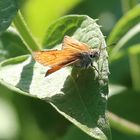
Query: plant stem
{"points": [[25, 33], [123, 125], [127, 5]]}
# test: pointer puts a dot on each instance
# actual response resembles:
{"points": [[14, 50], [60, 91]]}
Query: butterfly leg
{"points": [[95, 69]]}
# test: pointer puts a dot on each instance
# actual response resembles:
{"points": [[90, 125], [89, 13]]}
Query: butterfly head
{"points": [[94, 54]]}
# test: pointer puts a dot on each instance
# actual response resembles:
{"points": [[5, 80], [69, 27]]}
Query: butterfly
{"points": [[72, 52]]}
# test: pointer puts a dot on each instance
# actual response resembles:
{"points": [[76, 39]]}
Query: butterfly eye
{"points": [[94, 54]]}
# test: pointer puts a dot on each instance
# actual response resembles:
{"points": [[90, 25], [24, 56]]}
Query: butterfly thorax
{"points": [[87, 58]]}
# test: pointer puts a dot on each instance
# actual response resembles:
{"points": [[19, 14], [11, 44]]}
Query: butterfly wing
{"points": [[56, 59], [71, 43], [57, 67]]}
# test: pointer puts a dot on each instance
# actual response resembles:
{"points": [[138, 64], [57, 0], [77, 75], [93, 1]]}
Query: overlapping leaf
{"points": [[8, 10]]}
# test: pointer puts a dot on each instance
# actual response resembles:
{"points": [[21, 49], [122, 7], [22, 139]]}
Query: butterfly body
{"points": [[86, 59], [73, 52]]}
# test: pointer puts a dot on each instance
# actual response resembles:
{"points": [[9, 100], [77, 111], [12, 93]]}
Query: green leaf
{"points": [[128, 75], [80, 95], [75, 134], [8, 10], [121, 37], [127, 37], [127, 5], [131, 104], [119, 135], [121, 70], [122, 27], [124, 125], [11, 45], [73, 25], [116, 89]]}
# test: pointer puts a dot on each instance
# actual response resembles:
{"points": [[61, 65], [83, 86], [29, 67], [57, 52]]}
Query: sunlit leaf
{"points": [[80, 95]]}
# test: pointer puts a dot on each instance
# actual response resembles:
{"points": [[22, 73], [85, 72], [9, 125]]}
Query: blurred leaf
{"points": [[116, 89], [42, 112], [117, 135], [11, 45], [45, 16], [129, 31], [122, 27], [128, 4], [127, 37], [9, 121], [128, 110], [79, 95], [123, 125], [75, 134], [120, 72], [128, 74], [8, 10], [134, 57], [27, 121], [117, 105]]}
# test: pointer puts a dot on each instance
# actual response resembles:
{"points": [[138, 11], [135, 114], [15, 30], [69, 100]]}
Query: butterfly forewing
{"points": [[71, 43], [55, 57]]}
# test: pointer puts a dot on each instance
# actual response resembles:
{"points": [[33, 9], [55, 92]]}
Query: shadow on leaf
{"points": [[26, 77], [82, 100]]}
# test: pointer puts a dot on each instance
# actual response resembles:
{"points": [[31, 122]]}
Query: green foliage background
{"points": [[26, 118]]}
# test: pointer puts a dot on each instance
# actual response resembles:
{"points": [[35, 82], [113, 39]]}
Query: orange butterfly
{"points": [[73, 52]]}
